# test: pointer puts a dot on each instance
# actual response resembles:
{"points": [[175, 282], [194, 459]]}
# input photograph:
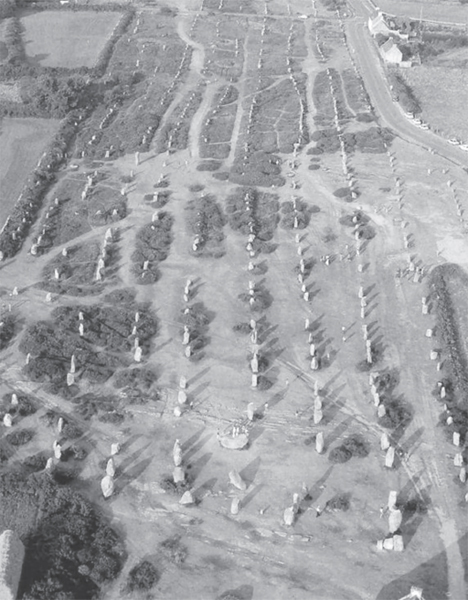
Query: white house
{"points": [[378, 25], [390, 52], [11, 563]]}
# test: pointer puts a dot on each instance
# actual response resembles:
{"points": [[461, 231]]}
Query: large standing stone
{"points": [[107, 486]]}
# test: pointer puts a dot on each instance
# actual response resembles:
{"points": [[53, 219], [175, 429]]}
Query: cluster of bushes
{"points": [[361, 223], [197, 320], [122, 26], [263, 214], [77, 270], [20, 437], [354, 445], [36, 187], [205, 220], [356, 95], [7, 330], [302, 212], [261, 169], [262, 299], [457, 410], [372, 140], [142, 577], [135, 378], [447, 320], [323, 101], [402, 92], [13, 41], [23, 408], [152, 246], [443, 279], [108, 335], [71, 551], [398, 413]]}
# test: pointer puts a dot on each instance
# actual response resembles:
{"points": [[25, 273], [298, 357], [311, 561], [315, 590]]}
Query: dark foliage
{"points": [[142, 577]]}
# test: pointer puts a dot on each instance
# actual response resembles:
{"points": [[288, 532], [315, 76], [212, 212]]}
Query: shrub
{"points": [[340, 455], [339, 502], [71, 431], [36, 462], [20, 437], [357, 445], [173, 550], [143, 576]]}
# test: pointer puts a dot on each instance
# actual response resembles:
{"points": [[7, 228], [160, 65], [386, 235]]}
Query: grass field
{"points": [[443, 96], [67, 39], [22, 142]]}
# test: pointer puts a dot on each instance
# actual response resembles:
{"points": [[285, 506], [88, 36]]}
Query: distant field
{"points": [[67, 39], [443, 95], [437, 10], [22, 142]]}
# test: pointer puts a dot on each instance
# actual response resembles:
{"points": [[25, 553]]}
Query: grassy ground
{"points": [[21, 144], [443, 96], [67, 39]]}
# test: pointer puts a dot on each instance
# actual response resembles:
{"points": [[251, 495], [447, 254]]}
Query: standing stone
{"points": [[110, 467], [107, 486], [456, 438], [398, 545], [254, 364], [319, 443], [14, 399], [237, 480], [390, 457], [183, 382], [181, 397], [7, 420], [394, 520], [137, 354], [318, 415], [384, 442], [254, 380], [289, 516], [60, 425], [70, 379], [178, 475], [250, 411], [58, 451], [235, 506], [187, 498], [115, 448]]}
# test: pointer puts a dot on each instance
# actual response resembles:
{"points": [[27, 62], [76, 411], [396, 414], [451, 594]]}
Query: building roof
{"points": [[378, 24]]}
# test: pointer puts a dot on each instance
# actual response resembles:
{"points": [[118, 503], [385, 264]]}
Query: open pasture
{"points": [[443, 96], [67, 39], [22, 142]]}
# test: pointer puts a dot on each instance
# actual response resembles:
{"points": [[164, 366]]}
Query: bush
{"points": [[71, 431], [20, 437], [36, 462], [354, 445], [357, 445], [173, 550], [340, 455], [338, 502], [143, 576]]}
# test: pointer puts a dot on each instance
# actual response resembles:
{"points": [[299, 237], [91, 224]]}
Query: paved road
{"points": [[376, 85]]}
